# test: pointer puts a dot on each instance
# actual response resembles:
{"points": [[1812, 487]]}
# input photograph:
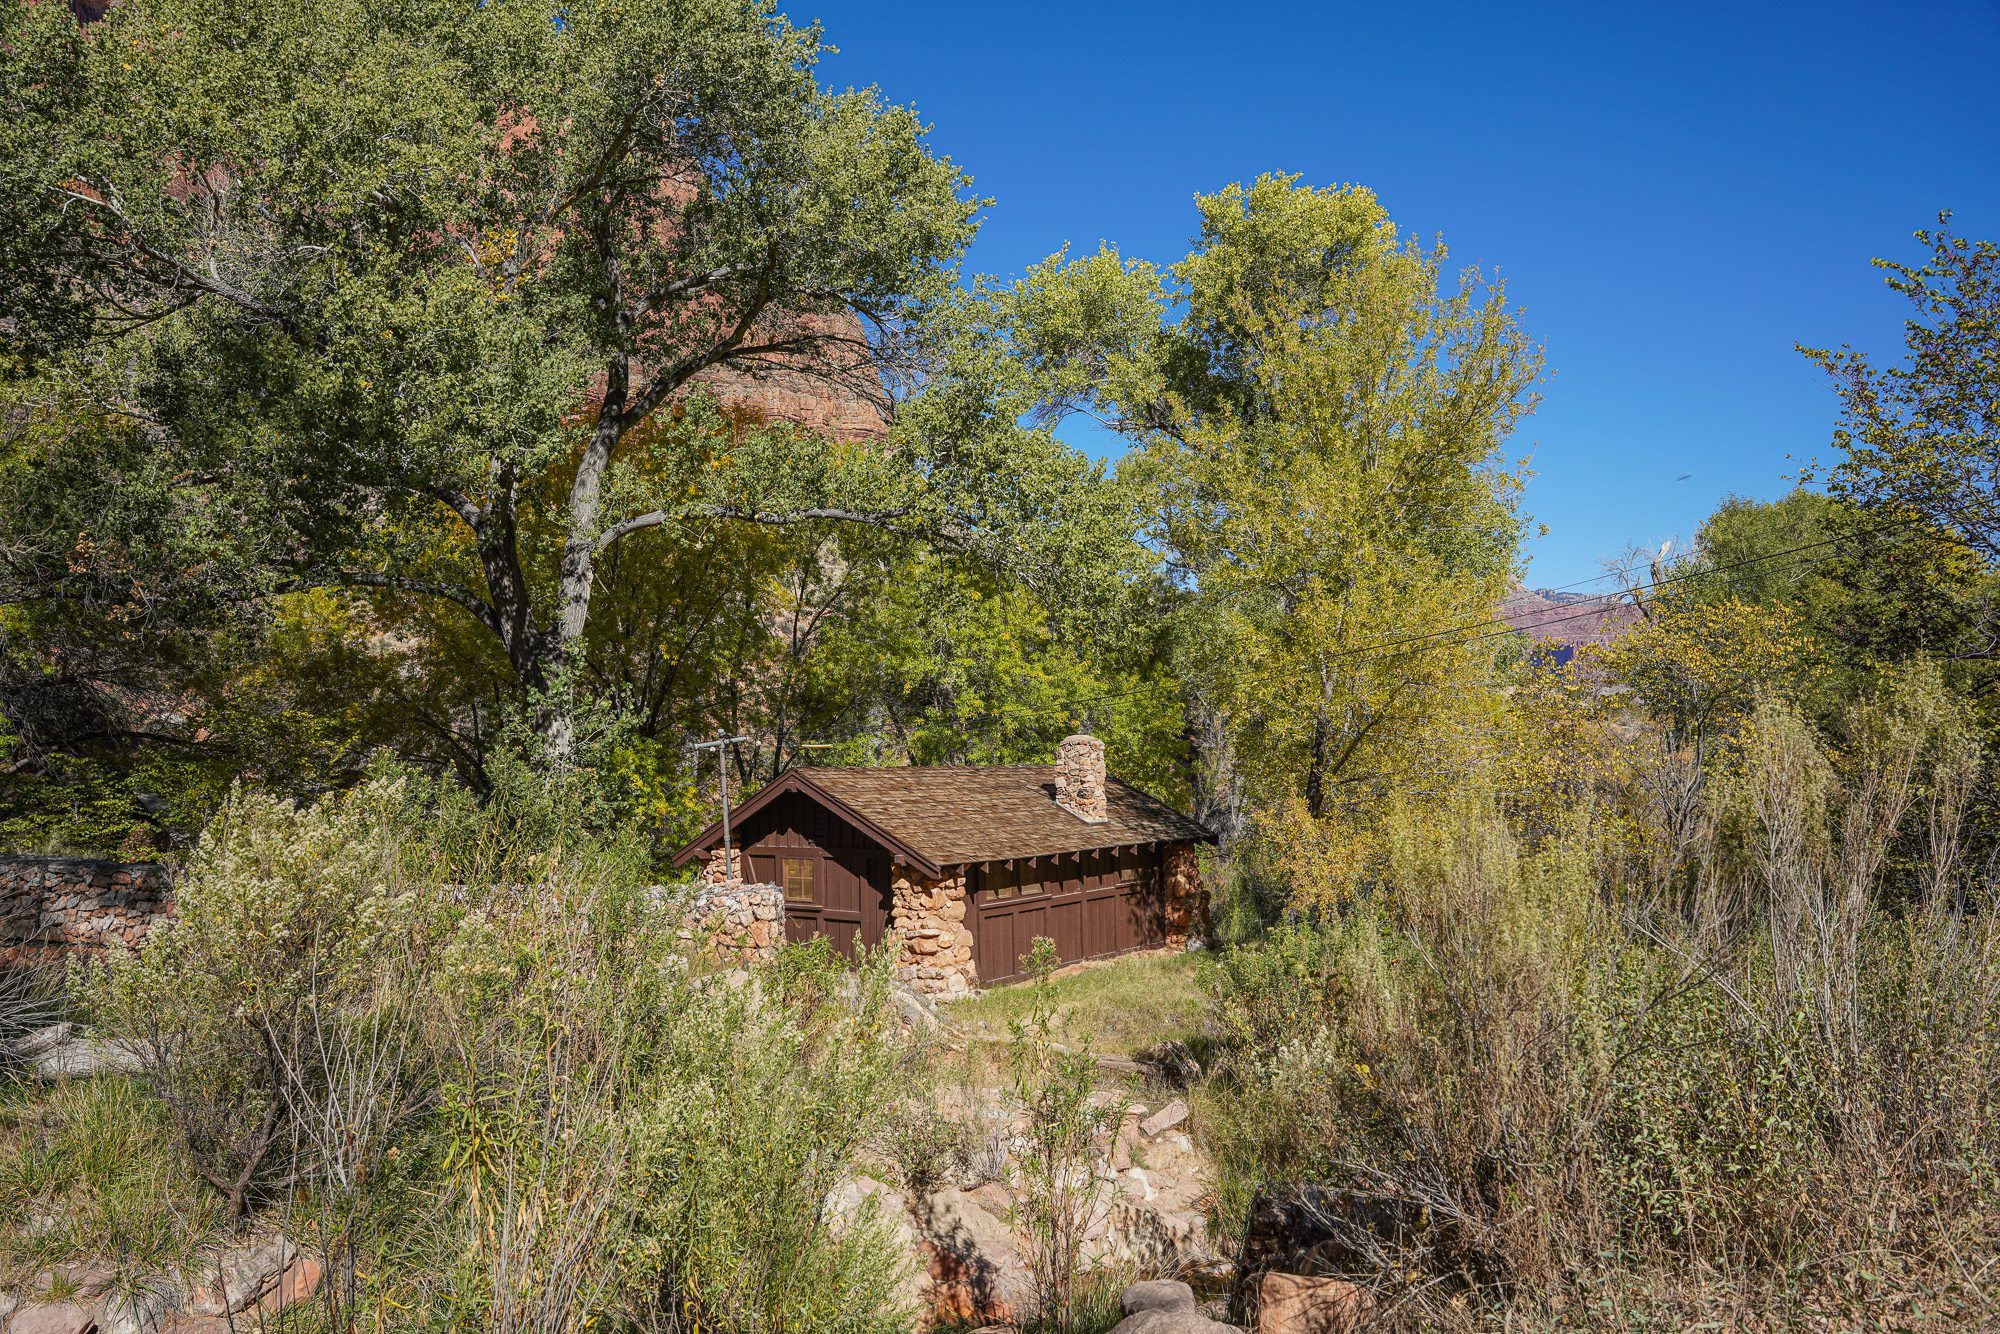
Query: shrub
{"points": [[284, 914], [930, 1147], [1781, 1064], [1054, 1077], [520, 1106]]}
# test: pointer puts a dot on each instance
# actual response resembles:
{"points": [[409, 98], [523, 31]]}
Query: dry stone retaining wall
{"points": [[742, 923], [57, 907]]}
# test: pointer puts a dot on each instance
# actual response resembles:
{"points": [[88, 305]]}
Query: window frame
{"points": [[810, 861]]}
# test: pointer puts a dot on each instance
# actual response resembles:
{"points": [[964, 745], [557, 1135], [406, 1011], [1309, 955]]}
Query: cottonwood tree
{"points": [[372, 276], [1921, 439], [1320, 467]]}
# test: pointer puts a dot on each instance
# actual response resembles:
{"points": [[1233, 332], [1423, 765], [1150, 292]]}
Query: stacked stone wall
{"points": [[929, 915], [717, 871], [1185, 895], [53, 908], [741, 923]]}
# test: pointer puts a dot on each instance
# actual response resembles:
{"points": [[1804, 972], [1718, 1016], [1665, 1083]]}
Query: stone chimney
{"points": [[1080, 778]]}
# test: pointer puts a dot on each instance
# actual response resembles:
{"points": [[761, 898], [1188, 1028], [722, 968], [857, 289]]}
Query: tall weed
{"points": [[1778, 1055], [517, 1104]]}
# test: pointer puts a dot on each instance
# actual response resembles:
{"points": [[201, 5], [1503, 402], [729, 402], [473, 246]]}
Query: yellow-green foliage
{"points": [[274, 889], [1773, 1057], [515, 1107]]}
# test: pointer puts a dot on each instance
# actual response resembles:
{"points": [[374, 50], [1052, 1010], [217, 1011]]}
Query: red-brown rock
{"points": [[1296, 1304]]}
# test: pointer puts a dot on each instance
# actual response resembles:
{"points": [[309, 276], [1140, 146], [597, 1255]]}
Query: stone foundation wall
{"points": [[937, 945], [52, 908], [741, 923]]}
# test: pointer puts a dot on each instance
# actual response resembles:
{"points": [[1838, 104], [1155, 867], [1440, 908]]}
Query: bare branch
{"points": [[884, 519], [180, 277]]}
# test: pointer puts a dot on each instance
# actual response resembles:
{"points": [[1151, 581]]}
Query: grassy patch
{"points": [[1124, 1006], [89, 1172]]}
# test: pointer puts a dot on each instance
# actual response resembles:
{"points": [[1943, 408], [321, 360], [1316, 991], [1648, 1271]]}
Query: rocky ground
{"points": [[955, 1216], [252, 1279], [1145, 1214]]}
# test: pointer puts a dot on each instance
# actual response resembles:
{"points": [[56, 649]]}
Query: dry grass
{"points": [[89, 1172]]}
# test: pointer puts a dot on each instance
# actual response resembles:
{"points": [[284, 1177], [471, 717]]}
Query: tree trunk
{"points": [[579, 562], [1316, 768]]}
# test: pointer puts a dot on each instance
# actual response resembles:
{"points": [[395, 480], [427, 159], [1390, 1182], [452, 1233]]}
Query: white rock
{"points": [[80, 1058]]}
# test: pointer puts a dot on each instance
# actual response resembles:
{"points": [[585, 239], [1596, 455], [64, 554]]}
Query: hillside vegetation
{"points": [[421, 423]]}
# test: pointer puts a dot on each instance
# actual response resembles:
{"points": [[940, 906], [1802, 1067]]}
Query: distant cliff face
{"points": [[803, 400], [1569, 618]]}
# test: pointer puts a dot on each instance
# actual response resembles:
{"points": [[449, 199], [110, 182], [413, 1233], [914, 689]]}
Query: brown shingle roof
{"points": [[948, 814], [993, 812]]}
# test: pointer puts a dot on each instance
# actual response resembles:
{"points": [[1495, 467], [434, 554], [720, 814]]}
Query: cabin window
{"points": [[798, 873], [998, 882]]}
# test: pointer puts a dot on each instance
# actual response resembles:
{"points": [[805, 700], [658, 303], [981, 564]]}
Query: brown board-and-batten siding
{"points": [[837, 880], [1092, 905]]}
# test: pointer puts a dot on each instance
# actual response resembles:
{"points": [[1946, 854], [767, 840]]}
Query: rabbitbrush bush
{"points": [[1777, 1075], [517, 1105]]}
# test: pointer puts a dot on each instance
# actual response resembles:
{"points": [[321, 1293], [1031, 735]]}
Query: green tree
{"points": [[1320, 467], [1921, 440], [356, 267], [1870, 593]]}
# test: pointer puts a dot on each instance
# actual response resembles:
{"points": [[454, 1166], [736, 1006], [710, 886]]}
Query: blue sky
{"points": [[1674, 195]]}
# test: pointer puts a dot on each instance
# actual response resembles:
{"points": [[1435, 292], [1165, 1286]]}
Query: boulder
{"points": [[975, 1274], [858, 1200], [1145, 1236], [1166, 1294], [1164, 1307], [43, 1040], [53, 1318], [59, 1053], [912, 1011], [1298, 1304], [1166, 1118]]}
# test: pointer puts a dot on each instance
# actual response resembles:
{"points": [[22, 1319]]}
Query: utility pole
{"points": [[722, 781]]}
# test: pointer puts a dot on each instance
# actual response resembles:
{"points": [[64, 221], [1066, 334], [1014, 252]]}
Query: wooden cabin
{"points": [[969, 863]]}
